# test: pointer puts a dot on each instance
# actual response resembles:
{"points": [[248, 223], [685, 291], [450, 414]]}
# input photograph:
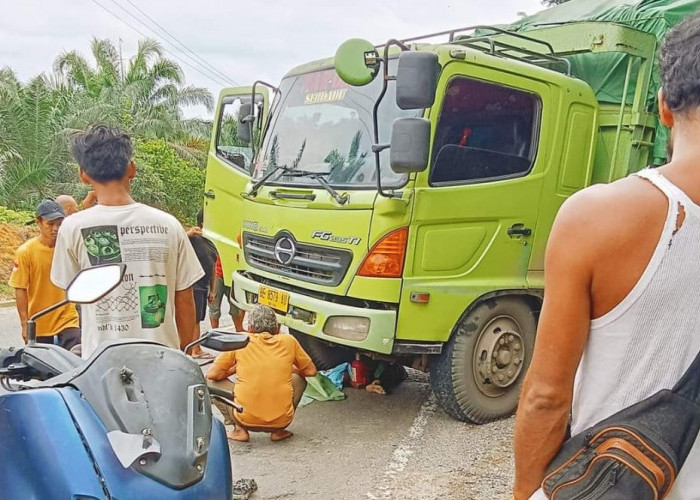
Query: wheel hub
{"points": [[499, 356]]}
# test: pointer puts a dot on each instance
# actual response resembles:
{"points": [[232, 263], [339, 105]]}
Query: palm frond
{"points": [[23, 180], [75, 68], [148, 49], [107, 59], [196, 96], [166, 70]]}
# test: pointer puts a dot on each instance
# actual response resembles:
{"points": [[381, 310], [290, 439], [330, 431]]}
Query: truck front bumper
{"points": [[310, 315]]}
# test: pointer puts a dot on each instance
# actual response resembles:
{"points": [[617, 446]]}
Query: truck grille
{"points": [[315, 264]]}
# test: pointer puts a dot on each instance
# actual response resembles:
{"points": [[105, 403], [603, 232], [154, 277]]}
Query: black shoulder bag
{"points": [[634, 454]]}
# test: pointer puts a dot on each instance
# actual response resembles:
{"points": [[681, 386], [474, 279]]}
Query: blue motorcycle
{"points": [[133, 421]]}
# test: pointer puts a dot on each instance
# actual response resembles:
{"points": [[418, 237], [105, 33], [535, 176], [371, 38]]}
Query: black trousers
{"points": [[66, 339]]}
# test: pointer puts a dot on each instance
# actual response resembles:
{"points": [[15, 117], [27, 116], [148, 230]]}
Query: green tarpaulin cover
{"points": [[320, 388], [605, 73]]}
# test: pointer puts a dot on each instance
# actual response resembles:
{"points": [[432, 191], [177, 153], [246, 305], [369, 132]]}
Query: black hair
{"points": [[679, 63], [103, 152], [200, 218]]}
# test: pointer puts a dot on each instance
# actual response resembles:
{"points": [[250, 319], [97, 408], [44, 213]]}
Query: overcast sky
{"points": [[243, 41]]}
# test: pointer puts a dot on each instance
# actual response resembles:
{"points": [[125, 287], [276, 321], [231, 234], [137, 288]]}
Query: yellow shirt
{"points": [[264, 378], [32, 271]]}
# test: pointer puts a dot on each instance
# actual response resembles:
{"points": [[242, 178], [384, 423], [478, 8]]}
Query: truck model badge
{"points": [[329, 236]]}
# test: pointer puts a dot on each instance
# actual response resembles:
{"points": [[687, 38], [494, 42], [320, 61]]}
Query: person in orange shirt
{"points": [[270, 373], [34, 290]]}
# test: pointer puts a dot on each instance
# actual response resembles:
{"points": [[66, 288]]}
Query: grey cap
{"points": [[50, 210]]}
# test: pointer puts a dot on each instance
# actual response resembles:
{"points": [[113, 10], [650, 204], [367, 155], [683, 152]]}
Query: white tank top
{"points": [[648, 340]]}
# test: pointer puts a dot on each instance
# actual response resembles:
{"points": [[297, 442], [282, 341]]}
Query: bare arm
{"points": [[22, 301], [545, 402], [223, 367], [217, 373], [220, 373], [90, 200], [185, 316]]}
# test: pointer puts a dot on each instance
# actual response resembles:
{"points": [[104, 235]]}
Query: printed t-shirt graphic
{"points": [[152, 300], [102, 244], [159, 261]]}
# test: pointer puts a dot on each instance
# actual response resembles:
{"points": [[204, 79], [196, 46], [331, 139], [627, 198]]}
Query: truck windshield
{"points": [[324, 125]]}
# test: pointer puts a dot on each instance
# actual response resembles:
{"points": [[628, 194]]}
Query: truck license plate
{"points": [[273, 298]]}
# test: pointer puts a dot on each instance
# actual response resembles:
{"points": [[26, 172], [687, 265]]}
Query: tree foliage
{"points": [[143, 94], [166, 181]]}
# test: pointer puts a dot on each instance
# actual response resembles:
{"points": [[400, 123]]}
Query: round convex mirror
{"points": [[350, 62], [93, 283]]}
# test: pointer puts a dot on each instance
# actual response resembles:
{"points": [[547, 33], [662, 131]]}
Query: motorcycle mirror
{"points": [[93, 283], [225, 341]]}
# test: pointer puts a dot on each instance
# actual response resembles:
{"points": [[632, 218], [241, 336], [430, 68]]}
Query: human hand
{"points": [[24, 332], [211, 297], [194, 231]]}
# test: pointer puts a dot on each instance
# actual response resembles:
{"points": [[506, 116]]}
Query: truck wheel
{"points": [[324, 356], [478, 376]]}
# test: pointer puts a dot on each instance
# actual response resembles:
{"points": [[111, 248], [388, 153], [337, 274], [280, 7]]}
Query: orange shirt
{"points": [[264, 378], [32, 271]]}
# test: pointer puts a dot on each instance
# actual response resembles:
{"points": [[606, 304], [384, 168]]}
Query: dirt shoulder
{"points": [[11, 237]]}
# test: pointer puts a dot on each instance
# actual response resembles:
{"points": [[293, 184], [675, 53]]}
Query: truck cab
{"points": [[398, 204]]}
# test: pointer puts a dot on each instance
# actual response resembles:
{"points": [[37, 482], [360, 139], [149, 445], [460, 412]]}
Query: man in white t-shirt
{"points": [[154, 300]]}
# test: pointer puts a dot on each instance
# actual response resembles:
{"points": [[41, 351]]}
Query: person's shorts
{"points": [[221, 292], [200, 304]]}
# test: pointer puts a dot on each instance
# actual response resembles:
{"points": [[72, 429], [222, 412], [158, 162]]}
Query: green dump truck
{"points": [[396, 200]]}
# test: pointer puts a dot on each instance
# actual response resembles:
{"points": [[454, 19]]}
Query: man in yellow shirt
{"points": [[34, 290], [270, 373]]}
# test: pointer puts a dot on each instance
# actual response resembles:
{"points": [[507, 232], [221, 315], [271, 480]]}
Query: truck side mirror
{"points": [[416, 79], [356, 62], [244, 131], [410, 143]]}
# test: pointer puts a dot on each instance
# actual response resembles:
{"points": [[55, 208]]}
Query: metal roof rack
{"points": [[488, 44]]}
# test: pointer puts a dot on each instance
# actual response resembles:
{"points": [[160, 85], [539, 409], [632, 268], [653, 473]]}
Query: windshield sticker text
{"points": [[329, 236], [325, 96]]}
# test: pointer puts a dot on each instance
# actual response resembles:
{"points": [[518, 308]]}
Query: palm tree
{"points": [[146, 97], [31, 148]]}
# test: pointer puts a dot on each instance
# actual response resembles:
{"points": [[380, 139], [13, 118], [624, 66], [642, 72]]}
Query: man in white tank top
{"points": [[620, 315]]}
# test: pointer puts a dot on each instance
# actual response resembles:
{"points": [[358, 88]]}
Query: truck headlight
{"points": [[347, 327]]}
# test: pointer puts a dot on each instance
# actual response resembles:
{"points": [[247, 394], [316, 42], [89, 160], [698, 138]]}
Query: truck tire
{"points": [[478, 376], [324, 356]]}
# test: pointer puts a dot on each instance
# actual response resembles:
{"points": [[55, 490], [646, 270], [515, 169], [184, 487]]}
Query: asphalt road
{"points": [[370, 447]]}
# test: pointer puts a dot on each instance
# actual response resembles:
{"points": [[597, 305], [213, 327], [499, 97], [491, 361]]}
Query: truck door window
{"points": [[228, 147], [485, 132]]}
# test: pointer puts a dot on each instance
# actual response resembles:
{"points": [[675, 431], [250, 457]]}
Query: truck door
{"points": [[228, 172], [477, 205]]}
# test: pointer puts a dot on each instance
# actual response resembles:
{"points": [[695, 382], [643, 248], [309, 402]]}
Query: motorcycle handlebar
{"points": [[224, 397]]}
